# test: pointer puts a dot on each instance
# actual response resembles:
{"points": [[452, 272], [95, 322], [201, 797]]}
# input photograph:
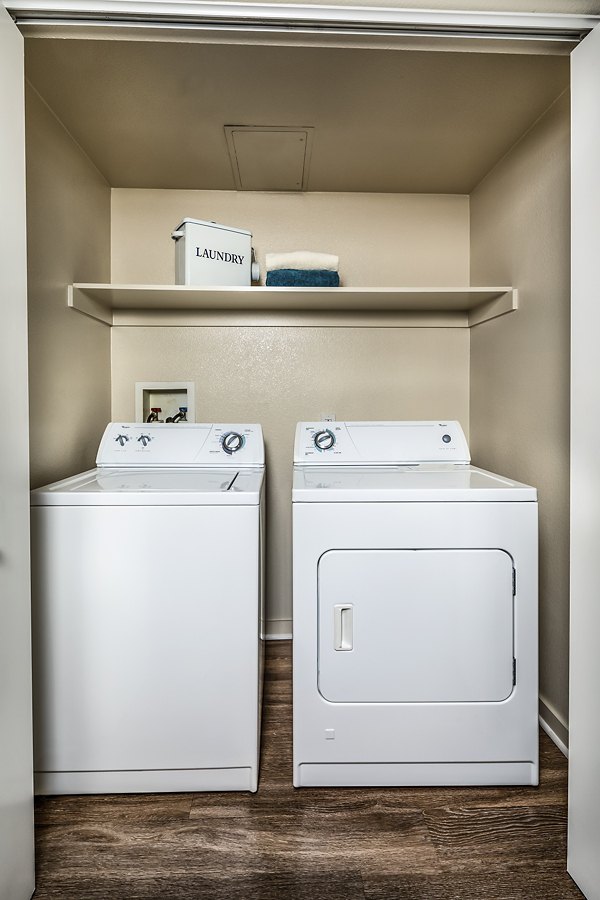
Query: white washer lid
{"points": [[159, 487], [405, 484]]}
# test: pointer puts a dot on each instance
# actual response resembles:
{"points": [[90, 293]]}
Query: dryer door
{"points": [[415, 626]]}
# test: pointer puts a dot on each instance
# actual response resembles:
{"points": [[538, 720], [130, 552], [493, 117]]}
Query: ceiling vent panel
{"points": [[269, 158]]}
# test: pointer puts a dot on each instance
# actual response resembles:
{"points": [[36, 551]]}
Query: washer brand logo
{"points": [[220, 255]]}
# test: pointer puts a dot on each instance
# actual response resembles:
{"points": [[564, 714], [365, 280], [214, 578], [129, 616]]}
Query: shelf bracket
{"points": [[83, 303], [492, 309]]}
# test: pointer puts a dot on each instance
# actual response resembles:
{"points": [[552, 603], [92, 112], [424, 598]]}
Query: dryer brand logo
{"points": [[220, 255]]}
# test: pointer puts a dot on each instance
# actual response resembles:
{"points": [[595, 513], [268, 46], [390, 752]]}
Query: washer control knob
{"points": [[145, 439], [324, 440], [232, 442], [121, 439], [446, 438]]}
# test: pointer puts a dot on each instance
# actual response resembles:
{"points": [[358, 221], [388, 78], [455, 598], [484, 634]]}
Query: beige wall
{"points": [[381, 239], [280, 375], [68, 215], [520, 363]]}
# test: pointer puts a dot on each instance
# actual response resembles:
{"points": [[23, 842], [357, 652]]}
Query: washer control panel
{"points": [[156, 445], [380, 443]]}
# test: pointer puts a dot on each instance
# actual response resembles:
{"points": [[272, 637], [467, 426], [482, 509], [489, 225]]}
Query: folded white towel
{"points": [[302, 259]]}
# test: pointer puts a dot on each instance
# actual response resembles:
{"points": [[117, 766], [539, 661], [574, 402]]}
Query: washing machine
{"points": [[147, 614], [415, 610]]}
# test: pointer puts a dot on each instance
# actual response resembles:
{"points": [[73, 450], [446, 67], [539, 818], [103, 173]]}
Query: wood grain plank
{"points": [[492, 886], [496, 838], [142, 808], [332, 842], [284, 886], [407, 887]]}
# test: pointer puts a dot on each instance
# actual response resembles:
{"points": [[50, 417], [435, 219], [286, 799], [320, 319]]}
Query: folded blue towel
{"points": [[302, 278]]}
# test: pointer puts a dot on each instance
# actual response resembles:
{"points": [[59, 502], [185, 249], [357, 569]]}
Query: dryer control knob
{"points": [[324, 440], [121, 439], [232, 442]]}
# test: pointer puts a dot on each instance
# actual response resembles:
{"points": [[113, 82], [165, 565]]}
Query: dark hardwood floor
{"points": [[309, 844]]}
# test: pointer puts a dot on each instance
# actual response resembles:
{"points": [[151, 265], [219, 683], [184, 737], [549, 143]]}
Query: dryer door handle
{"points": [[343, 630]]}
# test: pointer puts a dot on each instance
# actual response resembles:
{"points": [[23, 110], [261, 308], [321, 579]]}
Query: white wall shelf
{"points": [[151, 304]]}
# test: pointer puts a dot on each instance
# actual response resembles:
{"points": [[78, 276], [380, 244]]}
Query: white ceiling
{"points": [[153, 114]]}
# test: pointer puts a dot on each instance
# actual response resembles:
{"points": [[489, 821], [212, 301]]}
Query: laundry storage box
{"points": [[207, 253]]}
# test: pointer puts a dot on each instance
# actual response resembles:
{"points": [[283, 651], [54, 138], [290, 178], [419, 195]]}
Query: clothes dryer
{"points": [[147, 609], [415, 610]]}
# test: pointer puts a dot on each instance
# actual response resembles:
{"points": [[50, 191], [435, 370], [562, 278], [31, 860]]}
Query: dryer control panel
{"points": [[379, 443], [157, 445]]}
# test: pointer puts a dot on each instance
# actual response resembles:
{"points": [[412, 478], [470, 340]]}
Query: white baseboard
{"points": [[554, 738], [278, 630], [554, 727]]}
